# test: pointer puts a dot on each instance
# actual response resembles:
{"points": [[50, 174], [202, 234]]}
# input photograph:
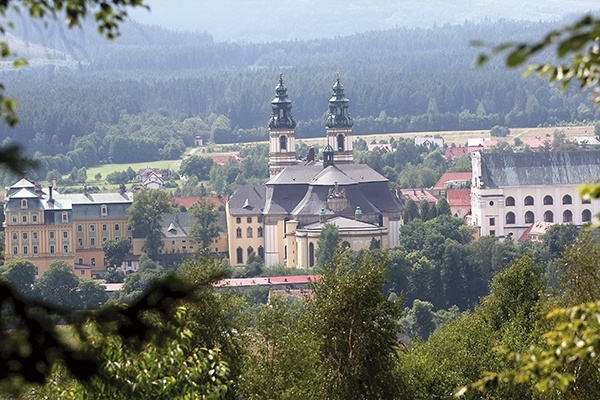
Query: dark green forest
{"points": [[153, 90]]}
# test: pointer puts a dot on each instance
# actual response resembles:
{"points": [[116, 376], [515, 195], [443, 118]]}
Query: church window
{"points": [[249, 232], [239, 255], [283, 142], [261, 252], [567, 216], [510, 218], [586, 216], [380, 220], [567, 199], [510, 201], [24, 203], [548, 216], [340, 142], [528, 201], [548, 200], [529, 217], [586, 201], [311, 255], [250, 250]]}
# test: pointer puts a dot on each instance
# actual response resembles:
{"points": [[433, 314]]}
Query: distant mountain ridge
{"points": [[265, 20]]}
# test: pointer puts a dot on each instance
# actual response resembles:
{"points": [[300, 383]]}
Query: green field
{"points": [[109, 168]]}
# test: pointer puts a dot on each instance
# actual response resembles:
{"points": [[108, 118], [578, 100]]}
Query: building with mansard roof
{"points": [[281, 221], [43, 225], [510, 192]]}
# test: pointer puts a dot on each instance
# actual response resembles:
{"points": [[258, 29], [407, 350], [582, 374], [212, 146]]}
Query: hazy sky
{"points": [[267, 20]]}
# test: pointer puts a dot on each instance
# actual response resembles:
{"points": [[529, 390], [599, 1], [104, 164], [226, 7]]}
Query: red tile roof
{"points": [[417, 195], [188, 201], [224, 159], [459, 197], [269, 281], [451, 176]]}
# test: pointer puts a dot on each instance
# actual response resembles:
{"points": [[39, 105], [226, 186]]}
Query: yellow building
{"points": [[43, 226], [512, 191]]}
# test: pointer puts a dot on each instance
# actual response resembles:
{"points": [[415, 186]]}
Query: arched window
{"points": [[586, 216], [510, 218], [528, 201], [311, 255], [548, 216], [282, 142], [249, 250], [567, 199], [239, 252], [103, 210], [340, 142], [529, 217], [249, 232], [510, 201], [548, 200], [24, 203], [285, 252], [261, 252], [380, 220], [567, 216]]}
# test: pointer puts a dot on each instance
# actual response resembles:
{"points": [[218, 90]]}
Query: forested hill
{"points": [[397, 80]]}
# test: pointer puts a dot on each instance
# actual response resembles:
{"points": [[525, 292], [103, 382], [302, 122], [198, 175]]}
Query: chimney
{"points": [[38, 189]]}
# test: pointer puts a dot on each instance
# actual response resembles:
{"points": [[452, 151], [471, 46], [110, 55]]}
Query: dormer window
{"points": [[103, 210], [24, 203], [65, 217]]}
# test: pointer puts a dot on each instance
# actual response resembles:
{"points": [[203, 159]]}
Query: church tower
{"points": [[339, 125], [282, 134]]}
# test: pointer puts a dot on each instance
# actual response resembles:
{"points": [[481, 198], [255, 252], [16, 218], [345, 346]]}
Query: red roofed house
{"points": [[224, 159], [459, 201], [451, 180], [417, 195]]}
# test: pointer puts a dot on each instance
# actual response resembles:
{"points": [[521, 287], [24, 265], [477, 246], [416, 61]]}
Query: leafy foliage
{"points": [[145, 216], [205, 229]]}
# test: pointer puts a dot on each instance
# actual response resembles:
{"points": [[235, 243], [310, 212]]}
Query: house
{"points": [[538, 142], [43, 225], [380, 147], [153, 181], [282, 220], [451, 180], [429, 142], [186, 202], [459, 201], [175, 235], [417, 195], [511, 191], [585, 141]]}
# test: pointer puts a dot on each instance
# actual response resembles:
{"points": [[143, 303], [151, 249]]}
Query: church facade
{"points": [[281, 221]]}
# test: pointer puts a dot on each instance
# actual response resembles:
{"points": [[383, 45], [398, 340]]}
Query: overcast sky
{"points": [[268, 20]]}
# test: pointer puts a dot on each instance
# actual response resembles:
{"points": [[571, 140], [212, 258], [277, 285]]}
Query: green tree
{"points": [[442, 207], [21, 274], [328, 242], [136, 284], [115, 251], [355, 329], [58, 286], [145, 216], [500, 131], [197, 166], [92, 294], [411, 211], [205, 229], [280, 359]]}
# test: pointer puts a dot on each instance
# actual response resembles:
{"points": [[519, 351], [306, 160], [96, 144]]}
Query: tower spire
{"points": [[339, 124], [282, 134]]}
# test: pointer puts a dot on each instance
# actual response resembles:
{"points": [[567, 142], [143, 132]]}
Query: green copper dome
{"points": [[338, 115], [281, 108]]}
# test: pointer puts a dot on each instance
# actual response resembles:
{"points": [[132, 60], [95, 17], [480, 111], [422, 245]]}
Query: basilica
{"points": [[282, 220]]}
